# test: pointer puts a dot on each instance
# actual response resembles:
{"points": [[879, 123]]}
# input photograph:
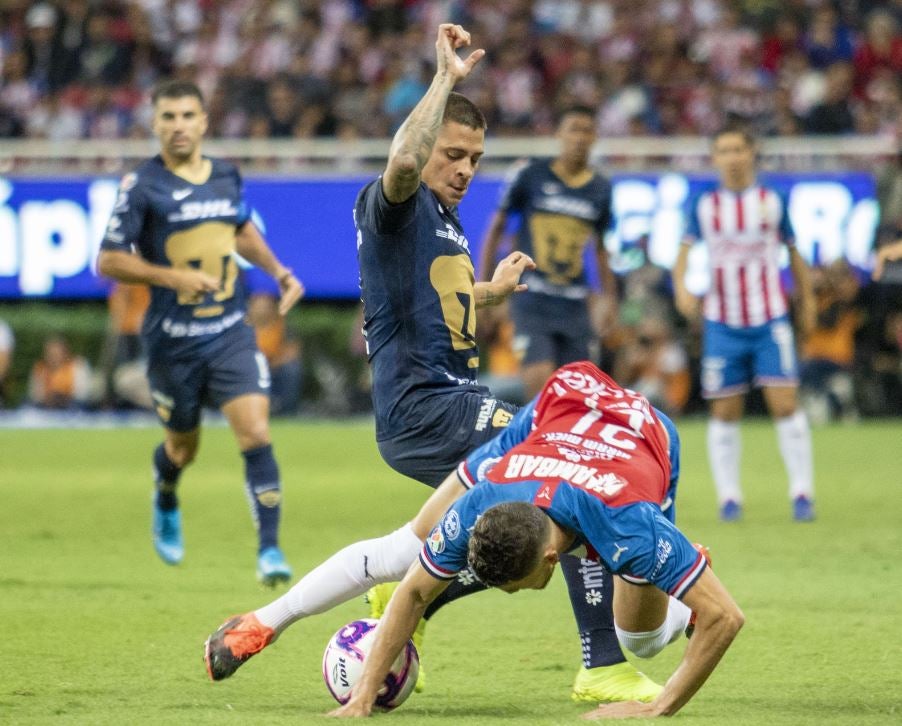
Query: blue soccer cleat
{"points": [[167, 535], [802, 509], [730, 511], [272, 567]]}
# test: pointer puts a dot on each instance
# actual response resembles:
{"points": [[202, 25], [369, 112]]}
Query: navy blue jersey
{"points": [[557, 222], [417, 285], [170, 221]]}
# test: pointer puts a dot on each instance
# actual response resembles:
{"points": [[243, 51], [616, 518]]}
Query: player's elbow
{"points": [[108, 264], [405, 164], [728, 622]]}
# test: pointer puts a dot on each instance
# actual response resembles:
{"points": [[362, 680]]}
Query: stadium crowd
{"points": [[354, 68]]}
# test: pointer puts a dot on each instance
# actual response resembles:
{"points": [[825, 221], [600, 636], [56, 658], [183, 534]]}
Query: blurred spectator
{"points": [[283, 353], [833, 115], [656, 365], [55, 119], [59, 379], [7, 345], [828, 40], [645, 290], [828, 352], [105, 57], [496, 334], [18, 93], [880, 53], [889, 198], [105, 115], [48, 66], [784, 37], [281, 109]]}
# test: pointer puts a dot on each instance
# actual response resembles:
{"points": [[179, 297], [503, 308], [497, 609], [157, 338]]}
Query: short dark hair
{"points": [[463, 111], [176, 89], [575, 109], [734, 128], [506, 543]]}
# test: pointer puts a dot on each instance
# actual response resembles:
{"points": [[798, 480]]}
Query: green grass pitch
{"points": [[95, 630]]}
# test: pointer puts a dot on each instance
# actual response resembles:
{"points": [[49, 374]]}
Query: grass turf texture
{"points": [[97, 631]]}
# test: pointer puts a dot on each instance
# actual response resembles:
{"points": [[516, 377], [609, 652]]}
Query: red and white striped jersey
{"points": [[743, 232]]}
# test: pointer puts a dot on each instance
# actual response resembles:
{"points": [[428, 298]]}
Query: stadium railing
{"points": [[331, 156]]}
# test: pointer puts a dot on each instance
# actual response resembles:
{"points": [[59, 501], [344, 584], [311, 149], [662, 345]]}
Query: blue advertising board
{"points": [[50, 229]]}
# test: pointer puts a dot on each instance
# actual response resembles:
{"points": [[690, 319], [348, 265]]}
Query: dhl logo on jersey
{"points": [[208, 209]]}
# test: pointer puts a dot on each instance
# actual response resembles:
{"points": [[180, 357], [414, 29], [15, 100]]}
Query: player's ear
{"points": [[551, 556]]}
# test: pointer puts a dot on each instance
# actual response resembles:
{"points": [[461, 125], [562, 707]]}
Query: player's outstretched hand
{"points": [[624, 709], [506, 279], [290, 291], [194, 283], [450, 38], [887, 253]]}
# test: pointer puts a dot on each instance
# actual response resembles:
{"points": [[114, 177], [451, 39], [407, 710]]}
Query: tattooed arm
{"points": [[412, 145]]}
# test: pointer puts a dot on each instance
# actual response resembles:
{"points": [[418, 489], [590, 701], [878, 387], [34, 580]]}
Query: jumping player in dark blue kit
{"points": [[178, 221], [420, 299], [589, 467]]}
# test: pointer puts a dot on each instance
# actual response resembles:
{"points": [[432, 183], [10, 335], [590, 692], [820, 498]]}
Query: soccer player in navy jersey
{"points": [[747, 335], [179, 220], [563, 204], [588, 467], [420, 298]]}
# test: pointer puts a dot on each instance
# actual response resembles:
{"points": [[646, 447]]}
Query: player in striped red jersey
{"points": [[748, 337]]}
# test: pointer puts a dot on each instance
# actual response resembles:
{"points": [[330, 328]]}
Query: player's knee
{"points": [[645, 644], [182, 454], [254, 436]]}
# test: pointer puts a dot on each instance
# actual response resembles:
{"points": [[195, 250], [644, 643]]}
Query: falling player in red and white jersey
{"points": [[748, 337]]}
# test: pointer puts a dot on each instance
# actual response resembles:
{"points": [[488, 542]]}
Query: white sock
{"points": [[346, 574], [724, 450], [794, 437], [652, 642]]}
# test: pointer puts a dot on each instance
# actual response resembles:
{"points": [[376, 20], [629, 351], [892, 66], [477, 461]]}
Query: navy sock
{"points": [[591, 589], [464, 584], [165, 478], [264, 491]]}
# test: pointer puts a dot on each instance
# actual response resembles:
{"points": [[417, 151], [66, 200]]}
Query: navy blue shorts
{"points": [[549, 329], [229, 367], [453, 425]]}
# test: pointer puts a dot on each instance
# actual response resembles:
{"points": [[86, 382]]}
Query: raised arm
{"points": [[406, 607], [413, 142], [249, 243]]}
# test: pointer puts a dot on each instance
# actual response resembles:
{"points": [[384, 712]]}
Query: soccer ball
{"points": [[343, 665]]}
